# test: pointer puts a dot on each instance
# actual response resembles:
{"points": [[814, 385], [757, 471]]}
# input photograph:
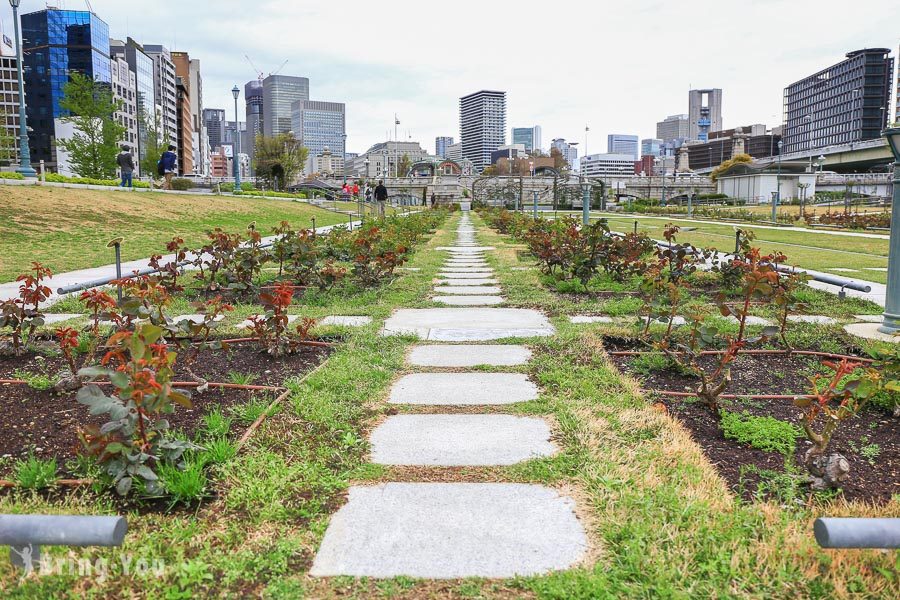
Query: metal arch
{"points": [[547, 170]]}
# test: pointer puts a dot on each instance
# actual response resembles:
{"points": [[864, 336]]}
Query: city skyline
{"points": [[424, 95]]}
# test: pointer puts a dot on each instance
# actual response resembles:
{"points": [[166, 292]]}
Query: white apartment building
{"points": [[164, 84], [482, 124], [603, 165], [124, 88]]}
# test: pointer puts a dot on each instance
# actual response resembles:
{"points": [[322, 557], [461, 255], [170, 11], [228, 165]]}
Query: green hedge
{"points": [[7, 175], [57, 178], [182, 184]]}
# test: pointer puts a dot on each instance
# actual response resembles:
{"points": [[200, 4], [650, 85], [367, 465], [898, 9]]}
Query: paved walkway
{"points": [[447, 529]]}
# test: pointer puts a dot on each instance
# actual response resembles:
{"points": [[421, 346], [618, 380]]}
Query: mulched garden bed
{"points": [[871, 479], [47, 424]]}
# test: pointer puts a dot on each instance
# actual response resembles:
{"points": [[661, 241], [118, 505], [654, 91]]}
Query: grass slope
{"points": [[68, 229]]}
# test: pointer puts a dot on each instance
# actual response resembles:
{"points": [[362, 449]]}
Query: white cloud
{"points": [[619, 68]]}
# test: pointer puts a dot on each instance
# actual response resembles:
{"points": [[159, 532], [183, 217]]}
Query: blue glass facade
{"points": [[55, 44]]}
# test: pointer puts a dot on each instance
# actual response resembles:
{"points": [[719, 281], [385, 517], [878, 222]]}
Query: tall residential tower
{"points": [[482, 124]]}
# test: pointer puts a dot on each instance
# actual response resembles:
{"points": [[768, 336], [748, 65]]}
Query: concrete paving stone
{"points": [[677, 321], [582, 319], [458, 356], [751, 320], [475, 249], [467, 290], [468, 324], [451, 531], [346, 321], [53, 319], [469, 300], [815, 319], [468, 282], [460, 440], [463, 389], [197, 319], [466, 270], [870, 318], [869, 331]]}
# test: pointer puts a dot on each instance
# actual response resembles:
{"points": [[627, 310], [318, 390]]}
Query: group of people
{"points": [[166, 167], [379, 194]]}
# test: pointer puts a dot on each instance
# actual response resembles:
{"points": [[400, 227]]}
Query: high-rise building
{"points": [[598, 165], [441, 144], [200, 142], [651, 147], [529, 136], [56, 43], [704, 112], [124, 89], [185, 122], [166, 88], [214, 123], [847, 102], [568, 151], [279, 94], [617, 143], [319, 125], [674, 127], [9, 99], [482, 124], [142, 67], [253, 96], [454, 152]]}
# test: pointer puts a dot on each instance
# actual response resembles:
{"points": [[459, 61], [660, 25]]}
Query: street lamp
{"points": [[344, 158], [776, 199], [891, 324], [236, 91], [24, 150]]}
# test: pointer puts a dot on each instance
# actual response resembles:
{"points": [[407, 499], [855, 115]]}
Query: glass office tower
{"points": [[55, 44]]}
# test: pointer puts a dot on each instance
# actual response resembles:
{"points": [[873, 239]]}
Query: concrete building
{"points": [[482, 123], [200, 141], [123, 83], [55, 43], [454, 152], [441, 144], [509, 151], [319, 125], [569, 151], [142, 66], [214, 123], [602, 165], [759, 185], [674, 128], [705, 113], [9, 101], [280, 92], [651, 147], [529, 136], [845, 103], [725, 145], [185, 122], [166, 88], [253, 96], [617, 143], [383, 157]]}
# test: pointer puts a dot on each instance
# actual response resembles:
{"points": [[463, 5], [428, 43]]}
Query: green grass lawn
{"points": [[821, 252], [68, 229]]}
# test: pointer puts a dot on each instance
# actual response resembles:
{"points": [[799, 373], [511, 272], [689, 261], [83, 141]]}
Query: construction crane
{"points": [[259, 74]]}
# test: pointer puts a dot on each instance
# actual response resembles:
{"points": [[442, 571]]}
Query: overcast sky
{"points": [[563, 65]]}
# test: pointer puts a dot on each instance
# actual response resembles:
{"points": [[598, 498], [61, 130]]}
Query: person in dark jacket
{"points": [[381, 195], [125, 160], [168, 163]]}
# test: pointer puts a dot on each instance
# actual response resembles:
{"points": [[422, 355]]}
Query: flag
{"points": [[586, 128], [396, 120]]}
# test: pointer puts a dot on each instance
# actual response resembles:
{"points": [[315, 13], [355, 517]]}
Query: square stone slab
{"points": [[463, 389], [468, 324], [582, 319], [460, 440], [196, 319], [870, 331], [468, 250], [249, 325], [469, 356], [469, 300], [450, 531], [468, 282], [816, 319], [467, 271], [53, 319], [870, 318], [751, 320], [467, 290], [346, 321]]}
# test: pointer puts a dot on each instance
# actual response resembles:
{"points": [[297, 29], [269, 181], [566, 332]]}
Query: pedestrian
{"points": [[381, 195], [355, 191], [166, 167], [125, 160]]}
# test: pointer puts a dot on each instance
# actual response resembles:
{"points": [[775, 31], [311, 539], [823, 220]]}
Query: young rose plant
{"points": [[136, 440], [273, 328], [23, 314]]}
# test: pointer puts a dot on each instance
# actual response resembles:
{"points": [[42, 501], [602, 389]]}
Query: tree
{"points": [[404, 165], [154, 143], [559, 161], [490, 171], [94, 144], [279, 159]]}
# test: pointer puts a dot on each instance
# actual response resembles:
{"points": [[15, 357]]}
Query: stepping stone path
{"points": [[443, 529], [815, 319], [346, 321], [467, 282]]}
